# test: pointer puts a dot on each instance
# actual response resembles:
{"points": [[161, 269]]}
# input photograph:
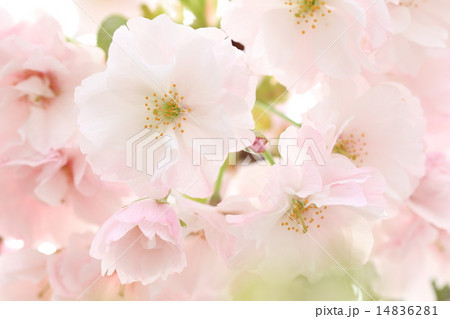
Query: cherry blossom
{"points": [[23, 276], [168, 87], [401, 257], [297, 40], [206, 276], [429, 199], [74, 275], [39, 72], [295, 150], [381, 127], [64, 178], [322, 209], [141, 242], [411, 249], [433, 93], [421, 21], [23, 216], [45, 198]]}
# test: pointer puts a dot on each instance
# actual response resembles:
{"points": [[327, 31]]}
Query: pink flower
{"points": [[141, 242], [380, 127], [434, 94], [440, 254], [417, 26], [23, 216], [210, 222], [402, 257], [399, 55], [206, 276], [431, 198], [74, 275], [72, 271], [425, 80], [316, 209], [195, 86], [46, 197], [297, 40], [422, 22], [208, 245], [39, 72], [23, 276], [412, 249]]}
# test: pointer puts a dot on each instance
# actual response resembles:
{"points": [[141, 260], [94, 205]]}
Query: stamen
{"points": [[353, 146], [301, 213], [166, 110], [302, 9]]}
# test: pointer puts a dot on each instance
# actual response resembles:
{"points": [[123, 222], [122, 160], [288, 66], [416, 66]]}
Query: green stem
{"points": [[215, 198], [272, 109], [268, 157], [137, 200], [198, 200]]}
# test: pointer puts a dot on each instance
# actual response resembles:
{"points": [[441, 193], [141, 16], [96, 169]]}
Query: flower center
{"points": [[352, 146], [302, 216], [307, 12], [166, 110], [37, 88]]}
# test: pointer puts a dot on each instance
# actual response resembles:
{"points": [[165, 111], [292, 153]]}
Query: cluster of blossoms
{"points": [[184, 167]]}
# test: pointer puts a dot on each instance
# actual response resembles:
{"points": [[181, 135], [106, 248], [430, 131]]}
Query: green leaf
{"points": [[106, 31], [163, 200], [149, 14], [197, 7], [269, 91], [201, 9], [442, 293], [183, 224]]}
